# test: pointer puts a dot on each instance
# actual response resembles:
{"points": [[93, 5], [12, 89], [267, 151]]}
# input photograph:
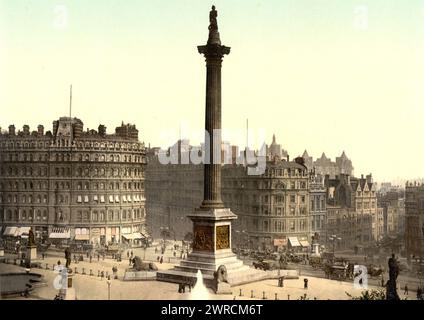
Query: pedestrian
{"points": [[98, 257], [382, 280], [158, 259], [175, 254], [406, 289], [132, 254], [130, 261], [91, 258], [128, 254], [419, 293], [161, 259], [305, 283]]}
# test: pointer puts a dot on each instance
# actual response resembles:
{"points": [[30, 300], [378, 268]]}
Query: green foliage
{"points": [[370, 295]]}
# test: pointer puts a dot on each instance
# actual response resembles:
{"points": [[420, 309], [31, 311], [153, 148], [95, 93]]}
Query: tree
{"points": [[369, 295]]}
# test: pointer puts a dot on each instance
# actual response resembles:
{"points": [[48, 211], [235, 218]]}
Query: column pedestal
{"points": [[31, 255], [212, 249]]}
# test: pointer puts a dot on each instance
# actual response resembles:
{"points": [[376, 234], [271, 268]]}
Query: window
{"points": [[292, 199]]}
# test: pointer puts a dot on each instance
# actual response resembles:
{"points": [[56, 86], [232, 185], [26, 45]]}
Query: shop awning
{"points": [[128, 236], [304, 243], [60, 233], [294, 242], [22, 231], [82, 237], [10, 231], [132, 236]]}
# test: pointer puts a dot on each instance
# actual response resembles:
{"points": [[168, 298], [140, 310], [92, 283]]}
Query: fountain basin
{"points": [[19, 283]]}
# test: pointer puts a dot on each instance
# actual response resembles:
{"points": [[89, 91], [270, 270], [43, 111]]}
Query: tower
{"points": [[212, 221]]}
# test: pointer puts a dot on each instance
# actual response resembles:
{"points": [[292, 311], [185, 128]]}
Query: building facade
{"points": [[271, 206], [353, 211], [414, 223], [324, 166], [71, 184], [318, 206]]}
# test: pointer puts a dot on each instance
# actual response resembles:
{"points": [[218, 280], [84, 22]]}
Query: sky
{"points": [[323, 75]]}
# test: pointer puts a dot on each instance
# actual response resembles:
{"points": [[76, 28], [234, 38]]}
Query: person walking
{"points": [[406, 289], [305, 283], [161, 259]]}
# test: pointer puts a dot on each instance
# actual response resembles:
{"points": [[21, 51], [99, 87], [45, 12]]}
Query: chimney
{"points": [[369, 178], [102, 130], [40, 130], [288, 158], [25, 128], [362, 176], [12, 130]]}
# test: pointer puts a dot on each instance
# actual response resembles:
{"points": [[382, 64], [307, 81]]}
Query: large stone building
{"points": [[271, 206], [393, 203], [318, 206], [414, 224], [353, 214], [324, 166], [71, 184]]}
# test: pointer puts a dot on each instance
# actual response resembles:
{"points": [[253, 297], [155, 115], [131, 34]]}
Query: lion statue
{"points": [[220, 275]]}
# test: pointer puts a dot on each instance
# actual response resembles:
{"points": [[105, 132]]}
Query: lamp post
{"points": [[108, 286], [333, 238]]}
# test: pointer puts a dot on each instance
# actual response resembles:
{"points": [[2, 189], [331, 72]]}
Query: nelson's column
{"points": [[212, 221]]}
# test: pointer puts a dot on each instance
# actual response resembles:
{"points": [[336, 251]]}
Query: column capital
{"points": [[213, 50]]}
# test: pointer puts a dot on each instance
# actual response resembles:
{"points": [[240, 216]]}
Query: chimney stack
{"points": [[12, 130], [40, 130]]}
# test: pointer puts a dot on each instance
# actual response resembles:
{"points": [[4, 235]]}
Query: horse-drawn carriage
{"points": [[339, 271]]}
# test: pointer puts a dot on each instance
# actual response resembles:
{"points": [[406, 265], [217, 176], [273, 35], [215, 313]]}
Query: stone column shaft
{"points": [[212, 170]]}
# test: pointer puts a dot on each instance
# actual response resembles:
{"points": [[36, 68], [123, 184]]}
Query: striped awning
{"points": [[304, 243], [60, 233], [294, 242], [22, 231], [10, 231], [132, 236]]}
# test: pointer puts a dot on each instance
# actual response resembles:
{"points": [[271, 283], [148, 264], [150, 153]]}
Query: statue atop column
{"points": [[31, 238], [213, 27], [212, 19], [391, 292]]}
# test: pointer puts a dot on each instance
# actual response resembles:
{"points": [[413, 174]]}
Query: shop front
{"points": [[60, 236]]}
